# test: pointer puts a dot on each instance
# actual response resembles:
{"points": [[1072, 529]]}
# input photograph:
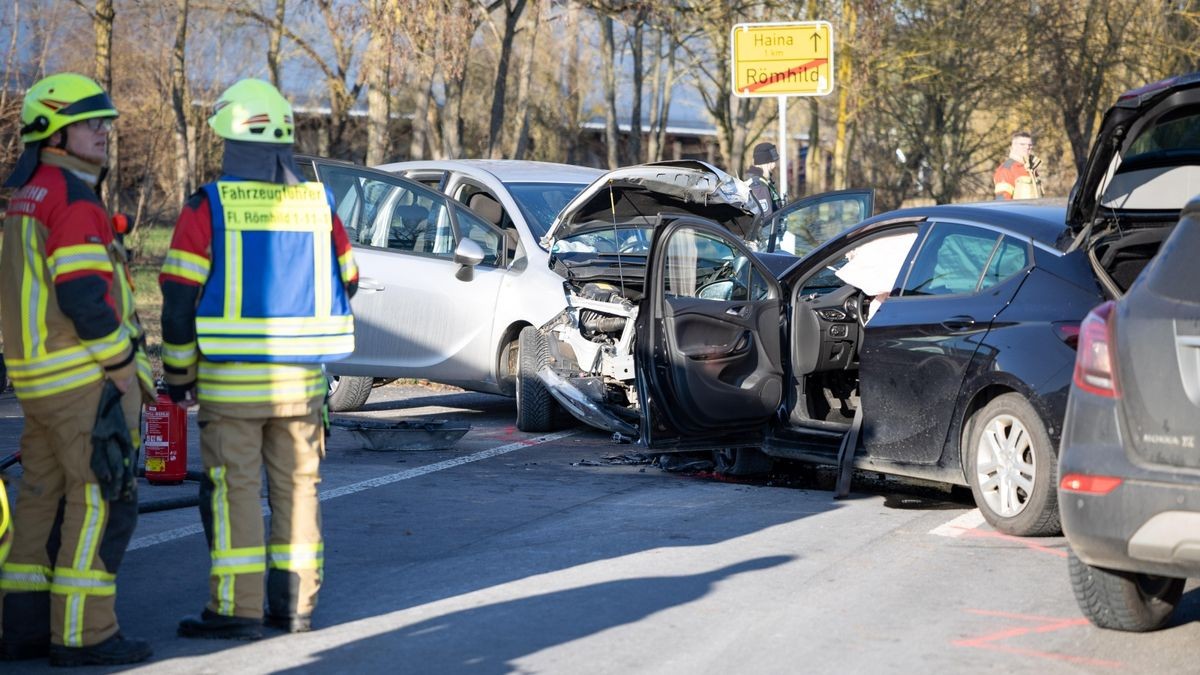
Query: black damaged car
{"points": [[956, 367]]}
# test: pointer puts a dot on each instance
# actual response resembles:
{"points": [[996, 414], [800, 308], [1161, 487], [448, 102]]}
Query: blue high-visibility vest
{"points": [[274, 292]]}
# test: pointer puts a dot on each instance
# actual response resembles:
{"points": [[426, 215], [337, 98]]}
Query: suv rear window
{"points": [[1175, 132]]}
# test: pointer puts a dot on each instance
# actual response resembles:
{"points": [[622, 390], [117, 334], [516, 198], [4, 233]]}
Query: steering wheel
{"points": [[858, 305]]}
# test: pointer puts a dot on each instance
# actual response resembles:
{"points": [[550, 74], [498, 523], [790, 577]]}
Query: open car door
{"points": [[709, 329], [802, 225]]}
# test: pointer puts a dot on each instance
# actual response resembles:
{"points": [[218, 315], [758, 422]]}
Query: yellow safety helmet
{"points": [[253, 110], [58, 100]]}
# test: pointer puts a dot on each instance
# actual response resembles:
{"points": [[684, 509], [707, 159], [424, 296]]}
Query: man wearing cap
{"points": [[762, 186], [72, 340]]}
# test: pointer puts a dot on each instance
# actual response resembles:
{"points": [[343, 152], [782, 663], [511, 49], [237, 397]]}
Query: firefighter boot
{"points": [[215, 626], [116, 650], [289, 624]]}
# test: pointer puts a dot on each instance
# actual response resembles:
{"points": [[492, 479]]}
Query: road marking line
{"points": [[180, 532], [960, 525]]}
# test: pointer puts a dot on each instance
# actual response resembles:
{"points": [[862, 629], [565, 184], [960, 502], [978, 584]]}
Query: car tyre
{"points": [[741, 462], [348, 393], [1011, 466], [1126, 601], [536, 409]]}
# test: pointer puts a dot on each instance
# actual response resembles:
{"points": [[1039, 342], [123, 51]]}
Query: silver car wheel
{"points": [[1005, 465]]}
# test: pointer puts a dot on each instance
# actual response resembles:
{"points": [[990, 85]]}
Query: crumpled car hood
{"points": [[643, 191]]}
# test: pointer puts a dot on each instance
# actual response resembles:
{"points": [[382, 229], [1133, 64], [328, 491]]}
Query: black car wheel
{"points": [[536, 408], [1123, 600], [348, 393], [1011, 467]]}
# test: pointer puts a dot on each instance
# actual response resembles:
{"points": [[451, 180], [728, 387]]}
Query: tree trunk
{"points": [[418, 140], [274, 40], [664, 113], [496, 125], [521, 138], [637, 49], [843, 103], [608, 54], [452, 119], [573, 98], [102, 25], [378, 64], [653, 141], [180, 105]]}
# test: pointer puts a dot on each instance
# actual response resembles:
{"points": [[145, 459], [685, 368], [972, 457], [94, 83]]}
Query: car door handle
{"points": [[959, 323], [740, 312], [711, 352], [369, 284]]}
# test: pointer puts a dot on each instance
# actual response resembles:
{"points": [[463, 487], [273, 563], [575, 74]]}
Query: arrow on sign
{"points": [[816, 38]]}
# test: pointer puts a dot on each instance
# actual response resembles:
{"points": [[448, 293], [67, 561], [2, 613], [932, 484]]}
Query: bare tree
{"points": [[181, 104], [275, 41], [520, 141], [381, 22], [512, 10]]}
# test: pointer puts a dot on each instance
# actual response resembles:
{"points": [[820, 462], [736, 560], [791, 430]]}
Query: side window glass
{"points": [[395, 215], [1011, 257], [804, 228], [699, 265], [951, 261], [488, 238]]}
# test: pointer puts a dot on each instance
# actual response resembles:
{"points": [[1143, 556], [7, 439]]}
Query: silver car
{"points": [[447, 279]]}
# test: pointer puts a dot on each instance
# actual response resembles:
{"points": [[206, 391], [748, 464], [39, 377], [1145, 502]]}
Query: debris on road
{"points": [[393, 435]]}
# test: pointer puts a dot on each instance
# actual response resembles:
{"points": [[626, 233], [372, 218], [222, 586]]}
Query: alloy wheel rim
{"points": [[1005, 466]]}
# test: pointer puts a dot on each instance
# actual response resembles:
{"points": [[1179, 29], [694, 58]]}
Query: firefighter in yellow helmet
{"points": [[256, 297], [73, 346]]}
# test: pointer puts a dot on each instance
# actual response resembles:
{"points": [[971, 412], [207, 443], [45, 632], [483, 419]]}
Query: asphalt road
{"points": [[520, 553]]}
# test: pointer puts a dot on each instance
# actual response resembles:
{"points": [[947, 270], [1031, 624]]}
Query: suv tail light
{"points": [[1095, 370]]}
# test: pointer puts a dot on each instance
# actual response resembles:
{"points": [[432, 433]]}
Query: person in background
{"points": [[256, 292], [1017, 176], [759, 175]]}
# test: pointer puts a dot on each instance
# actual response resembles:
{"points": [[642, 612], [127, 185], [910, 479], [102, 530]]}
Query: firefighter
{"points": [[72, 343], [256, 288], [1017, 176], [762, 186]]}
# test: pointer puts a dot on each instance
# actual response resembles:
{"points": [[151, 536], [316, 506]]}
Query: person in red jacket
{"points": [[71, 334], [1017, 176], [256, 298]]}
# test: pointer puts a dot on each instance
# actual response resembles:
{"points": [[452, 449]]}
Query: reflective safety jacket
{"points": [[66, 297], [271, 265], [1014, 181]]}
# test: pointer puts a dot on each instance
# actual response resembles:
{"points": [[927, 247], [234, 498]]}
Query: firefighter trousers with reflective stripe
{"points": [[59, 582], [235, 450]]}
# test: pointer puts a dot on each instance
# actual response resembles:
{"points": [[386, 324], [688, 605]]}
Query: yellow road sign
{"points": [[782, 59]]}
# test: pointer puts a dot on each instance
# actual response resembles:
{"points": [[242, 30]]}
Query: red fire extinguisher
{"points": [[165, 441]]}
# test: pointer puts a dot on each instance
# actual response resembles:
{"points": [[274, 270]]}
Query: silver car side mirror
{"points": [[468, 254]]}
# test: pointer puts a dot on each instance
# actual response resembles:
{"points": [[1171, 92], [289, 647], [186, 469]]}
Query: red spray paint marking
{"points": [[1027, 543], [991, 641]]}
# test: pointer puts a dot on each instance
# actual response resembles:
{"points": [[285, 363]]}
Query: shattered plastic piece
{"points": [[621, 438]]}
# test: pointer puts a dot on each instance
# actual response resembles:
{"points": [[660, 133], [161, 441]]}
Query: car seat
{"points": [[407, 223]]}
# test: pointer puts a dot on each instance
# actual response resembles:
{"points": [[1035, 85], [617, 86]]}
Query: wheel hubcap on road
{"points": [[1005, 466]]}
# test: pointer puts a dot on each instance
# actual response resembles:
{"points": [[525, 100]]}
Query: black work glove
{"points": [[114, 458]]}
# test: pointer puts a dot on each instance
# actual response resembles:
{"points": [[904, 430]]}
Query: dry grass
{"points": [[148, 246]]}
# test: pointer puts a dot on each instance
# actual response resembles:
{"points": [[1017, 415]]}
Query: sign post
{"points": [[781, 60]]}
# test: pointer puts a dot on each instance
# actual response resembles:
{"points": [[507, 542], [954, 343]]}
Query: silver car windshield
{"points": [[541, 202]]}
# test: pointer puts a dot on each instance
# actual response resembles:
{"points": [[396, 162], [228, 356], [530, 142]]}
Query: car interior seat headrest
{"points": [[486, 206]]}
